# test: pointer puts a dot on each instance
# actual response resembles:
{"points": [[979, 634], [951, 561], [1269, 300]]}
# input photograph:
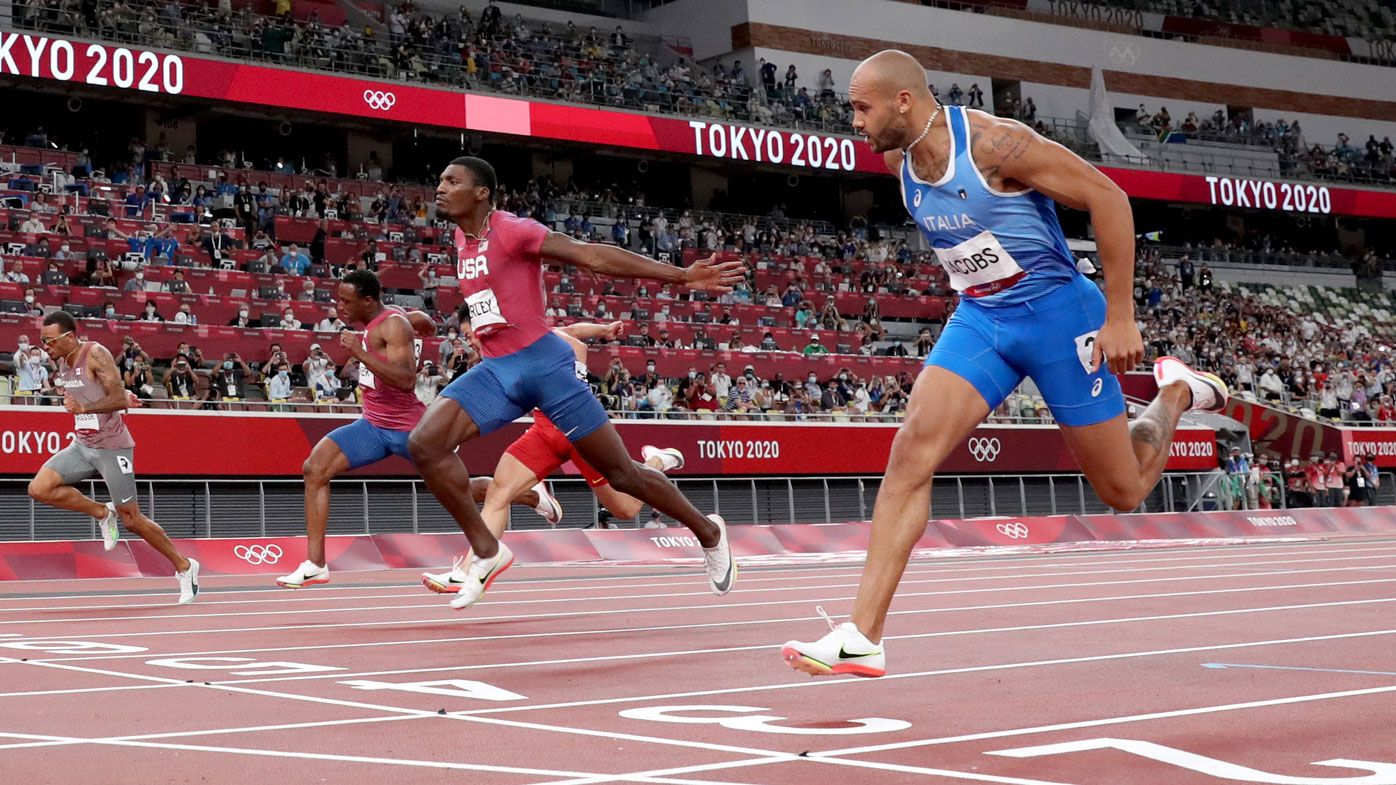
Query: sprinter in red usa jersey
{"points": [[499, 263]]}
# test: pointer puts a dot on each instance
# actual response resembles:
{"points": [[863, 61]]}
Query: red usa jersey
{"points": [[501, 276]]}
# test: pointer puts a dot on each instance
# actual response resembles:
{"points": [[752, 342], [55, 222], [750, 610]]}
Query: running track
{"points": [[1092, 668]]}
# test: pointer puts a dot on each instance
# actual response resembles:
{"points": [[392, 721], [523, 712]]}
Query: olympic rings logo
{"points": [[1016, 530], [984, 450], [379, 99], [259, 554]]}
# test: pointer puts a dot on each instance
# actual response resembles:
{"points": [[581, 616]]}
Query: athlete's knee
{"points": [[424, 447], [315, 472], [1119, 493], [131, 518], [40, 490], [627, 477]]}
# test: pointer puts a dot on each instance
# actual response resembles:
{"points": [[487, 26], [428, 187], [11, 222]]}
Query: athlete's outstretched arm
{"points": [[707, 274], [585, 331], [1011, 151], [422, 323]]}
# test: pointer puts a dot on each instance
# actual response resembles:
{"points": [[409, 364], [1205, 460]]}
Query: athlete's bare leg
{"points": [[480, 487], [622, 505], [941, 413], [1123, 460], [325, 463], [136, 523], [47, 487], [511, 479], [432, 444], [606, 453]]}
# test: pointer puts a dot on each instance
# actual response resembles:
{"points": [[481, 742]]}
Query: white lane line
{"points": [[772, 647], [575, 597], [611, 631], [1096, 723], [1003, 562], [1008, 666], [667, 609]]}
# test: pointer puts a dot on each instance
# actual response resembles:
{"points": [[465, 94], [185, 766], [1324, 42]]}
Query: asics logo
{"points": [[259, 554], [1016, 530], [379, 99], [985, 449]]}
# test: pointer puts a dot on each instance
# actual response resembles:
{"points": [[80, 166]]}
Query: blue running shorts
{"points": [[363, 443], [1048, 339], [541, 375]]}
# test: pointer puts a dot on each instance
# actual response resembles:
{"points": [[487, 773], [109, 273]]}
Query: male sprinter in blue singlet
{"points": [[982, 190]]}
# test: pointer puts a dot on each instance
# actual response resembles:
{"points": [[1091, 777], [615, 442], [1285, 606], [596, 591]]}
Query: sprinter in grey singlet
{"points": [[101, 445]]}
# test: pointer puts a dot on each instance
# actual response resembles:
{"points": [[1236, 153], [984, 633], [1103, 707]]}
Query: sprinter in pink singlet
{"points": [[387, 355], [94, 395], [499, 262]]}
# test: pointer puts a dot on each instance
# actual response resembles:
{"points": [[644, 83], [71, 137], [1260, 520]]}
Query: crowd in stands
{"points": [[509, 55], [1338, 368], [1371, 159], [1358, 18]]}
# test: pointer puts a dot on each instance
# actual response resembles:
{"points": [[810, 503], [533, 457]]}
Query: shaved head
{"points": [[892, 71], [889, 93]]}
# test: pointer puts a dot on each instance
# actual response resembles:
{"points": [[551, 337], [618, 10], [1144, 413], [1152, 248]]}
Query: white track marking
{"points": [[1158, 715], [1004, 562], [430, 601], [721, 606], [299, 597], [769, 647], [1008, 666]]}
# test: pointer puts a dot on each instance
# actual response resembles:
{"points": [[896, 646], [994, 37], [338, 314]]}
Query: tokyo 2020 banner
{"points": [[185, 444], [108, 66]]}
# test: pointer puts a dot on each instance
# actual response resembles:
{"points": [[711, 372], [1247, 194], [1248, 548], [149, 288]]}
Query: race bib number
{"points": [[977, 262], [366, 378], [1085, 349], [580, 368], [85, 422], [485, 315]]}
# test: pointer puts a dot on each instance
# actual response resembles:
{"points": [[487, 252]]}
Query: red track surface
{"points": [[1089, 665]]}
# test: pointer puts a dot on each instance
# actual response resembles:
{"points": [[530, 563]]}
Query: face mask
{"points": [[63, 248], [227, 365], [29, 299], [284, 374], [452, 335], [288, 317], [650, 368], [150, 309], [242, 314], [140, 276], [812, 378], [692, 374], [111, 312], [843, 377]]}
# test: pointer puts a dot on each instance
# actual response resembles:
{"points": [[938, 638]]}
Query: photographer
{"points": [[319, 372], [139, 380], [181, 385], [229, 380], [279, 386]]}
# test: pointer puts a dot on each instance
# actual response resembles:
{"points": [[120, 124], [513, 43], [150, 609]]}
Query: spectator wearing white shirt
{"points": [[15, 274], [290, 322], [32, 225], [719, 380], [1271, 386], [331, 322], [320, 373], [428, 383], [279, 387], [661, 398]]}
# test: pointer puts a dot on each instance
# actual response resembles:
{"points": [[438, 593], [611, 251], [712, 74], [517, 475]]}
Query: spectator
{"points": [[814, 346], [330, 323], [32, 225], [739, 398], [54, 275], [719, 380], [976, 97], [1333, 470], [278, 387], [293, 262], [1316, 478], [180, 383], [151, 313], [102, 275], [290, 322], [139, 379], [229, 379], [429, 381], [430, 283], [32, 368], [319, 372], [243, 318], [1299, 491], [185, 315], [176, 284], [135, 283]]}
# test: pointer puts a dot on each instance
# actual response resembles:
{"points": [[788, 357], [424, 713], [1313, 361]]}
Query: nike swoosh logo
{"points": [[844, 655], [568, 435], [727, 579]]}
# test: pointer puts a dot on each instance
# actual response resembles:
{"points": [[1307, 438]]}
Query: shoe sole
{"points": [[556, 517], [313, 582], [489, 582], [805, 664], [1219, 388], [439, 588]]}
